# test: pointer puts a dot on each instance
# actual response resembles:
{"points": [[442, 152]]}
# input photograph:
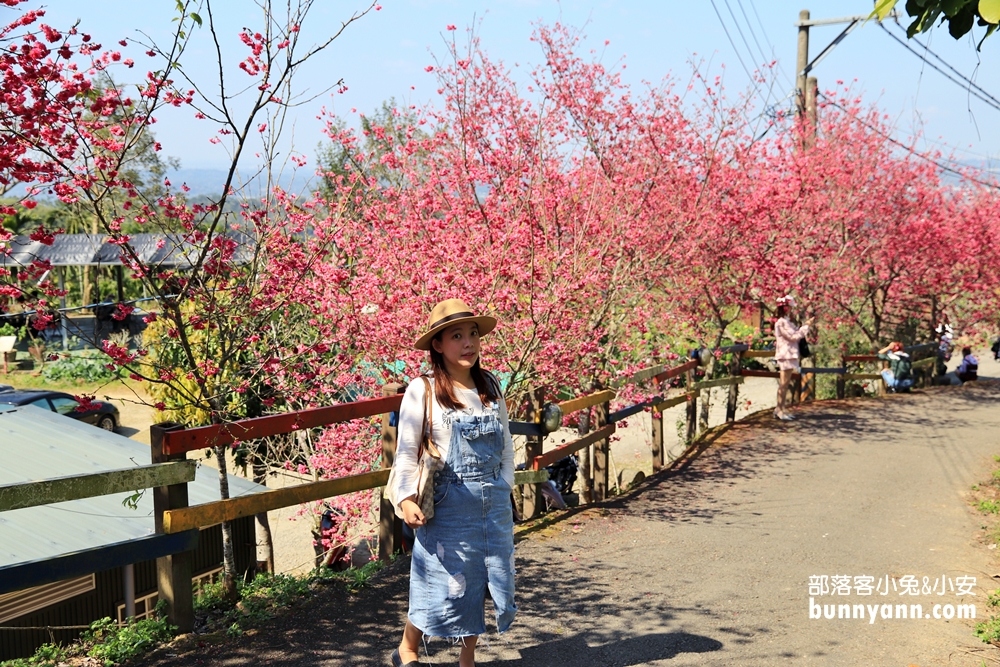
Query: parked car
{"points": [[102, 414]]}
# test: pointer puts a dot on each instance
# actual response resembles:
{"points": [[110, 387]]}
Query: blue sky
{"points": [[385, 53]]}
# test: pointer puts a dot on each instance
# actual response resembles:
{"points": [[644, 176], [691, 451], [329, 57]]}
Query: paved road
{"points": [[711, 563]]}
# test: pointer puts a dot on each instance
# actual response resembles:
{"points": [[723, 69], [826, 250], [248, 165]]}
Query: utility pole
{"points": [[802, 62], [806, 86]]}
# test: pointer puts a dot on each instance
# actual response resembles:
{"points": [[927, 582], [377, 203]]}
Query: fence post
{"points": [[656, 417], [534, 503], [601, 449], [734, 389], [841, 381], [390, 528], [796, 388], [808, 390], [692, 408], [173, 573], [586, 470]]}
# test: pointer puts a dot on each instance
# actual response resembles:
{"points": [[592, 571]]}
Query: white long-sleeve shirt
{"points": [[410, 426]]}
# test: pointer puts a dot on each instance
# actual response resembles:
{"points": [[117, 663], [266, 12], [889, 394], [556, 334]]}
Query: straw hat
{"points": [[451, 312]]}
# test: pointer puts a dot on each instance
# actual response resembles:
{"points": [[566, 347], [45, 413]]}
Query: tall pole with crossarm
{"points": [[801, 62]]}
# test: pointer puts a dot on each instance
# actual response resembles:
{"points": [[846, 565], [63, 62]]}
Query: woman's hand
{"points": [[412, 515]]}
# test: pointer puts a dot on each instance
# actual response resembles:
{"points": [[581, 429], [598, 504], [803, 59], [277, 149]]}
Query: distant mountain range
{"points": [[208, 182]]}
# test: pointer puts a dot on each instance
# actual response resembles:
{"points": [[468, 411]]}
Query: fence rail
{"points": [[177, 523], [78, 487], [178, 442]]}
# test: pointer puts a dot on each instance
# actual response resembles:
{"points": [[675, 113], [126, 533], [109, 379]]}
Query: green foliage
{"points": [[266, 595], [106, 641], [259, 600], [354, 578], [960, 15], [47, 655], [86, 367], [989, 507], [115, 644], [8, 329], [989, 631]]}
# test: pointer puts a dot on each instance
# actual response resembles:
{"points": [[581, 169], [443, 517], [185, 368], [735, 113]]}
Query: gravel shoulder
{"points": [[710, 563]]}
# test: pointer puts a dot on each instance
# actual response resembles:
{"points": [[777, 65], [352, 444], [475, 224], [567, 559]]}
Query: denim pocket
{"points": [[440, 491]]}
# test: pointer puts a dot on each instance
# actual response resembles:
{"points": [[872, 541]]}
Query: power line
{"points": [[740, 31], [958, 73], [753, 33], [908, 149], [736, 50], [764, 58], [767, 39], [972, 89], [766, 99]]}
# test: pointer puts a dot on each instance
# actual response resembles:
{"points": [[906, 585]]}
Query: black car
{"points": [[101, 414]]}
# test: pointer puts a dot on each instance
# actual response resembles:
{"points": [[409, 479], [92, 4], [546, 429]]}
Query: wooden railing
{"points": [[56, 490], [177, 523]]}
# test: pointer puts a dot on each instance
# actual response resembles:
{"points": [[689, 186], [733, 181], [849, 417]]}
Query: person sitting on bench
{"points": [[898, 376], [968, 370]]}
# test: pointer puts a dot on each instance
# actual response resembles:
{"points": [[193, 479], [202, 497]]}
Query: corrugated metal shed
{"points": [[165, 250], [37, 444]]}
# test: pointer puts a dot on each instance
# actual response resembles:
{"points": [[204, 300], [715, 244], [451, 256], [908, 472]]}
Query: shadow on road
{"points": [[575, 650]]}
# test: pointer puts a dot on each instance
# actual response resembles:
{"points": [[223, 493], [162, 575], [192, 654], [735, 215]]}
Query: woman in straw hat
{"points": [[787, 335], [466, 549]]}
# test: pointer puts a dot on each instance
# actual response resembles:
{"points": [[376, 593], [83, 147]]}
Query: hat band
{"points": [[449, 318]]}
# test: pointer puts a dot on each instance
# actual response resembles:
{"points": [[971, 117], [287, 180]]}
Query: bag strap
{"points": [[426, 439]]}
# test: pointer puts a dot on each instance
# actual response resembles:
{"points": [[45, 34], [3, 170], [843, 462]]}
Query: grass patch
{"points": [[989, 506], [259, 601], [989, 630], [267, 595], [105, 641], [34, 380], [986, 499]]}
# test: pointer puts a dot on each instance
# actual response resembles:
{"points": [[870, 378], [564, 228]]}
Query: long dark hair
{"points": [[444, 387], [782, 310]]}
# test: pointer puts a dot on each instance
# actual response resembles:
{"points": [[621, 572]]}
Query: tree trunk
{"points": [[228, 555], [264, 540]]}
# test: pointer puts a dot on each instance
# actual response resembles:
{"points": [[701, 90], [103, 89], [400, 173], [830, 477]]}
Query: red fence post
{"points": [[601, 450], [173, 573], [533, 503], [390, 528]]}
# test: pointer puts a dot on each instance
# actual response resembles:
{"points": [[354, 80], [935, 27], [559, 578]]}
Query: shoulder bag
{"points": [[804, 351], [428, 462]]}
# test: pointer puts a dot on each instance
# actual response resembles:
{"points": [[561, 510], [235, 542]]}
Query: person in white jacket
{"points": [[787, 335]]}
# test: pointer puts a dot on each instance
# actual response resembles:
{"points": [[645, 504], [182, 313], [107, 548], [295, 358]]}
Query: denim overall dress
{"points": [[467, 547]]}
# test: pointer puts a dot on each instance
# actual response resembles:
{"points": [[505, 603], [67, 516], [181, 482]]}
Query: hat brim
{"points": [[485, 322]]}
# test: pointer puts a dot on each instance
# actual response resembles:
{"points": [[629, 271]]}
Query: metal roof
{"points": [[38, 444], [164, 250]]}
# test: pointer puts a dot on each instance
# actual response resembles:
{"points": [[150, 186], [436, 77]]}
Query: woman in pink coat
{"points": [[786, 350]]}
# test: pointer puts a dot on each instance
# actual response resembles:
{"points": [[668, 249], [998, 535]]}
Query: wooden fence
{"points": [[177, 523]]}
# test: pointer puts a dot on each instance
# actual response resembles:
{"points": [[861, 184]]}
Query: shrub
{"points": [[84, 368], [115, 644], [47, 655]]}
